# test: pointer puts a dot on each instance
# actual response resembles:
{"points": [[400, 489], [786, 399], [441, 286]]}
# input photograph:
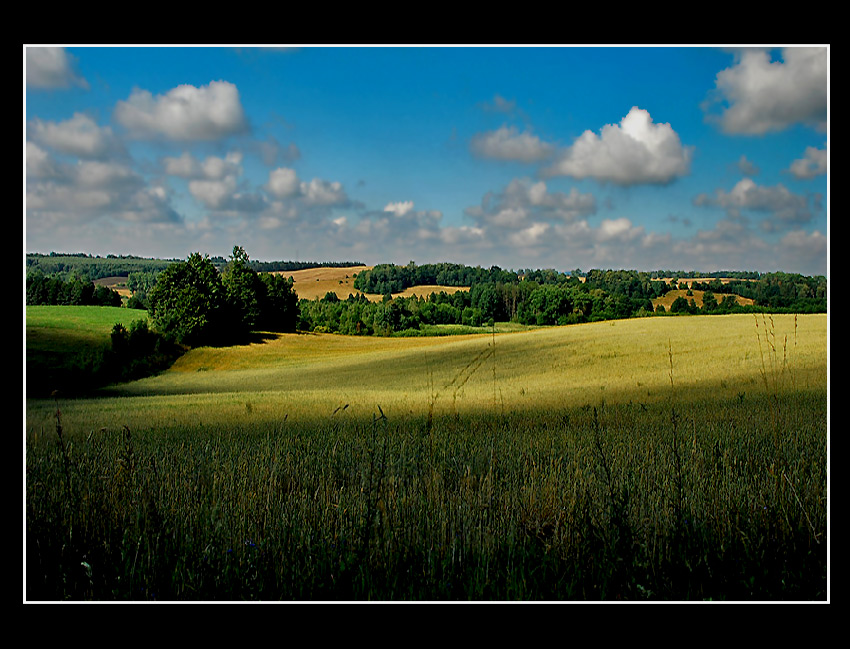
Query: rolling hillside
{"points": [[309, 375]]}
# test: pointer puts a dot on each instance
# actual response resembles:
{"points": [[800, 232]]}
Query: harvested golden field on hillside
{"points": [[317, 282], [117, 284], [311, 283], [668, 299]]}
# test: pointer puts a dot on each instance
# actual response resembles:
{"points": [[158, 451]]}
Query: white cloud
{"points": [[184, 166], [105, 174], [185, 113], [51, 67], [620, 228], [809, 247], [216, 167], [782, 206], [212, 181], [214, 194], [211, 168], [634, 151], [39, 164], [400, 208], [531, 235], [80, 136], [323, 192], [764, 95], [282, 182], [523, 203], [813, 163], [59, 195], [508, 144]]}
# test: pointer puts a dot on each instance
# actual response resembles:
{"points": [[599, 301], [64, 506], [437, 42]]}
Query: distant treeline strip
{"points": [[91, 267], [79, 291], [775, 290], [278, 266], [97, 267]]}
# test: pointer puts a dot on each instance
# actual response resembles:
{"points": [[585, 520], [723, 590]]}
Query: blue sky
{"points": [[693, 158]]}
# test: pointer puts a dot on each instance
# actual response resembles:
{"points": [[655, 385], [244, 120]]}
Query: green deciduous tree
{"points": [[278, 304], [188, 304], [243, 292], [193, 304], [680, 305]]}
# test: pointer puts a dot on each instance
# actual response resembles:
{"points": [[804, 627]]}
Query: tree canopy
{"points": [[194, 304]]}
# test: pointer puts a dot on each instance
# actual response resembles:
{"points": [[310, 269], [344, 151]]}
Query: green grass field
{"points": [[657, 458], [64, 344], [70, 328]]}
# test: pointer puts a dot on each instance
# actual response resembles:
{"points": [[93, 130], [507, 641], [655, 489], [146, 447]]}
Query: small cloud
{"points": [[813, 163], [323, 192], [499, 105], [746, 167], [283, 182], [508, 144], [52, 67], [523, 203], [78, 136], [399, 209], [782, 206]]}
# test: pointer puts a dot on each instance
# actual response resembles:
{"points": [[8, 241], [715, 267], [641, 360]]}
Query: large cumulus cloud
{"points": [[758, 95], [184, 113], [635, 151]]}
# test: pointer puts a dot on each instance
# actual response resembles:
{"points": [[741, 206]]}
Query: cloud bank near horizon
{"points": [[197, 166]]}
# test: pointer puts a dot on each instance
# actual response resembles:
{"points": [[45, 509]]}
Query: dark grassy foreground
{"points": [[724, 501]]}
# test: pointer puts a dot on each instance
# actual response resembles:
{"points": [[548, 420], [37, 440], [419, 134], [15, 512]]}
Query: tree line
{"points": [[541, 297], [217, 301], [76, 290], [93, 267]]}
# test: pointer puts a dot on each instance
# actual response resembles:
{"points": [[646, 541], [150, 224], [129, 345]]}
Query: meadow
{"points": [[665, 458]]}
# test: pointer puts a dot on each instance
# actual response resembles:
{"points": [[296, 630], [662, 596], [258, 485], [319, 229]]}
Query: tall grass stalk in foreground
{"points": [[550, 505], [776, 374]]}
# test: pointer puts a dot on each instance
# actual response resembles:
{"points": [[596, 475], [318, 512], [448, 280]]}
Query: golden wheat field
{"points": [[305, 376], [659, 458], [668, 298], [314, 283]]}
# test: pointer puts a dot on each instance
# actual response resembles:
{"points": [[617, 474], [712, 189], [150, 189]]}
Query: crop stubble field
{"points": [[655, 458]]}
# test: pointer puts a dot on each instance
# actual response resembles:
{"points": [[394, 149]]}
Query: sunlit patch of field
{"points": [[691, 280], [117, 284], [667, 299], [311, 283], [310, 375], [72, 328], [318, 282], [424, 290]]}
